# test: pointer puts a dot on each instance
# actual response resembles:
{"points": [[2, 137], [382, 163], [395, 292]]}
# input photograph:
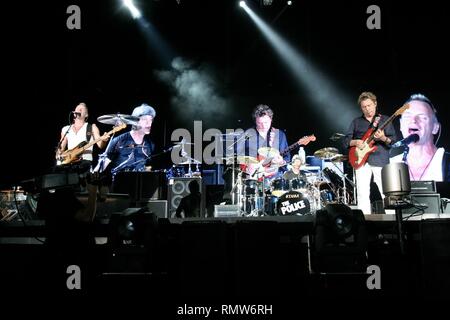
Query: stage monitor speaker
{"points": [[158, 207], [424, 203], [179, 188]]}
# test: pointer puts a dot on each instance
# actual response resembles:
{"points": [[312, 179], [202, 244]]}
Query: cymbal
{"points": [[181, 143], [339, 158], [247, 160], [326, 153], [117, 118], [268, 152]]}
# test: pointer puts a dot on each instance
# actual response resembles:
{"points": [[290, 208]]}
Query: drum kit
{"points": [[277, 196]]}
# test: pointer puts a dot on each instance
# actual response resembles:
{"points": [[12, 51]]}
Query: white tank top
{"points": [[74, 139]]}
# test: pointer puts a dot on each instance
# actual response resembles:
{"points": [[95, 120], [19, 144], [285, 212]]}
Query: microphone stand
{"points": [[60, 142]]}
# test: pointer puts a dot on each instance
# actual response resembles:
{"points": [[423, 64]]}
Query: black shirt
{"points": [[359, 127]]}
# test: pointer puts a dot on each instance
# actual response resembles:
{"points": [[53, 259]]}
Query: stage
{"points": [[237, 257]]}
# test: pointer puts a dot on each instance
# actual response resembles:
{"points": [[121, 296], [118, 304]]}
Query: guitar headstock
{"points": [[306, 139], [402, 109], [119, 127]]}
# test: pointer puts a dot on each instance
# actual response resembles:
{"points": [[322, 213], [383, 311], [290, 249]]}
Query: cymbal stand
{"points": [[233, 182], [344, 186], [184, 154]]}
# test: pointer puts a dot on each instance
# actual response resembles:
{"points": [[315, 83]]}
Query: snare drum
{"points": [[279, 187]]}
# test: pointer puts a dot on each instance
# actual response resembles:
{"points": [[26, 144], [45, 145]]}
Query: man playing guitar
{"points": [[369, 121], [263, 135]]}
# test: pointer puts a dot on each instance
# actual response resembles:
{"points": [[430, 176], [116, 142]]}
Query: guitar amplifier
{"points": [[423, 187], [424, 203]]}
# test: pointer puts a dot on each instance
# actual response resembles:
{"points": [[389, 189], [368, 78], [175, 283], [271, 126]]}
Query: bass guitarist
{"points": [[360, 128], [80, 131]]}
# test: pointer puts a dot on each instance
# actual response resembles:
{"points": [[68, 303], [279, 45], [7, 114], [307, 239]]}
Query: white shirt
{"points": [[434, 170], [75, 138]]}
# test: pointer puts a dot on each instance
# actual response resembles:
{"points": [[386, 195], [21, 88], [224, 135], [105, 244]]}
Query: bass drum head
{"points": [[293, 203]]}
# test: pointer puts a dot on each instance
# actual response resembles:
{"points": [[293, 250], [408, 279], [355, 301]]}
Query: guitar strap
{"points": [[89, 132]]}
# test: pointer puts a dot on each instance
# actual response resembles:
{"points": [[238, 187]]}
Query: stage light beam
{"points": [[135, 13], [326, 98]]}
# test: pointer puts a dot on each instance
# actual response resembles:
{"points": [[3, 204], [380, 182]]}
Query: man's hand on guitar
{"points": [[379, 135], [359, 144]]}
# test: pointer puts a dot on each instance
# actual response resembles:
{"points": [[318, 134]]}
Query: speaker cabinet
{"points": [[179, 188], [424, 203], [158, 207]]}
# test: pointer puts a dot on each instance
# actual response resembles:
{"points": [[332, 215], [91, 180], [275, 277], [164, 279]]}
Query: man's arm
{"points": [[349, 140], [102, 139]]}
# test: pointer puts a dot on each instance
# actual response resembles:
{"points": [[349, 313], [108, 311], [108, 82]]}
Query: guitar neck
{"points": [[290, 148], [91, 143], [382, 127]]}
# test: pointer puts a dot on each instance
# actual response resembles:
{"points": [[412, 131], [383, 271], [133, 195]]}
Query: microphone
{"points": [[409, 139], [76, 113]]}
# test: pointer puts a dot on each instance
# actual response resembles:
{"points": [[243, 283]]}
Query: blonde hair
{"points": [[367, 95]]}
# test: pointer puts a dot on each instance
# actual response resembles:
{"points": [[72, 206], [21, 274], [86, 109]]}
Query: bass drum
{"points": [[295, 203]]}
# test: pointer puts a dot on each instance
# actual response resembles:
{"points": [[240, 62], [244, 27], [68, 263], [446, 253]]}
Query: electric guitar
{"points": [[266, 155], [74, 154], [358, 157]]}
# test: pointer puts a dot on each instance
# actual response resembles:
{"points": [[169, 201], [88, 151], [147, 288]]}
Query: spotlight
{"points": [[289, 3], [135, 226], [340, 240], [242, 4]]}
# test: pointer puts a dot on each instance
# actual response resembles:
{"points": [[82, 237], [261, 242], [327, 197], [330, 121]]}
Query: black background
{"points": [[48, 69]]}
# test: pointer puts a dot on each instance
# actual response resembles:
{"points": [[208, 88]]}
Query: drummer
{"points": [[131, 150], [294, 172]]}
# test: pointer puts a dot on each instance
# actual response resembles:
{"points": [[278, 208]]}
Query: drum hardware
{"points": [[343, 198]]}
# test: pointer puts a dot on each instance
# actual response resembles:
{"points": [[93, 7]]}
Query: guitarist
{"points": [[264, 135], [369, 120], [80, 131]]}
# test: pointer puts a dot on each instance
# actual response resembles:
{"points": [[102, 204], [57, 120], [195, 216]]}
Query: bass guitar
{"points": [[358, 157], [74, 154]]}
